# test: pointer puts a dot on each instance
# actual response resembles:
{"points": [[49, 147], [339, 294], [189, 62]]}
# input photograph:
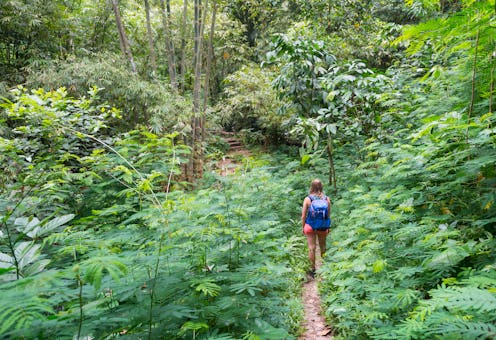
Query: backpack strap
{"points": [[313, 197]]}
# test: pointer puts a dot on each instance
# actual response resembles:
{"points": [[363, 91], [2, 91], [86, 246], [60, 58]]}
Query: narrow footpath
{"points": [[228, 165], [314, 322]]}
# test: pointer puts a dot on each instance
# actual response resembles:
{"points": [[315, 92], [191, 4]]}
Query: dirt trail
{"points": [[314, 324], [228, 164]]}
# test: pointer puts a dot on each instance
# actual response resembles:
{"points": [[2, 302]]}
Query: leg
{"points": [[311, 240], [322, 243]]}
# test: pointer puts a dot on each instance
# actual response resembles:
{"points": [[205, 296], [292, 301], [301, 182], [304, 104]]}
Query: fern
{"points": [[94, 268], [462, 329], [20, 317], [465, 298], [22, 311], [480, 281]]}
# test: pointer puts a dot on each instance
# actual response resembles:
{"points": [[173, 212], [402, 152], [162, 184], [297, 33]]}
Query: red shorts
{"points": [[309, 231]]}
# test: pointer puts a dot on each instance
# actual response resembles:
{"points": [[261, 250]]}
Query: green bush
{"points": [[150, 103]]}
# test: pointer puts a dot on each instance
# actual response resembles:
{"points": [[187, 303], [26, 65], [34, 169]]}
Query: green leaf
{"points": [[192, 326], [23, 313], [95, 267], [378, 266], [207, 287], [305, 159]]}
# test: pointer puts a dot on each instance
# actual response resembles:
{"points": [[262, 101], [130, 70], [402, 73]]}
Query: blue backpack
{"points": [[318, 213]]}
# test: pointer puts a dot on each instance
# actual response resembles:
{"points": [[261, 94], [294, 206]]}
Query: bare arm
{"points": [[304, 210]]}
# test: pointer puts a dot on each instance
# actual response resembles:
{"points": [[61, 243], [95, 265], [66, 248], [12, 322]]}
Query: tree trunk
{"points": [[208, 67], [450, 5], [153, 62], [192, 162], [7, 53], [101, 25], [171, 63], [491, 87], [124, 43], [183, 45], [472, 96], [332, 170], [200, 16]]}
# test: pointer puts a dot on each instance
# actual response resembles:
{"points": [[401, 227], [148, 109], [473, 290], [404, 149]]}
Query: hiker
{"points": [[315, 220]]}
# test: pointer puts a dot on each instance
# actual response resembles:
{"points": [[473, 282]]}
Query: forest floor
{"points": [[230, 162], [314, 323]]}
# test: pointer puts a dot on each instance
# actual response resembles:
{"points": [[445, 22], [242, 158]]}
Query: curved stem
{"points": [[11, 242], [80, 295]]}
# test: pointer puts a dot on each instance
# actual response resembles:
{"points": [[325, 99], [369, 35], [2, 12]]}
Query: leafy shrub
{"points": [[125, 251], [411, 255], [145, 102], [250, 104]]}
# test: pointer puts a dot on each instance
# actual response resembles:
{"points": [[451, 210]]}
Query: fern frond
{"points": [[23, 312], [465, 298], [465, 330], [207, 287], [480, 281], [94, 268]]}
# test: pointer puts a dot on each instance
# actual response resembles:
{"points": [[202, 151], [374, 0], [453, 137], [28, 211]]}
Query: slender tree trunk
{"points": [[208, 68], [81, 305], [124, 43], [183, 45], [332, 170], [171, 44], [192, 144], [194, 119], [329, 21], [153, 62], [491, 88], [7, 53], [200, 16], [171, 63], [474, 71]]}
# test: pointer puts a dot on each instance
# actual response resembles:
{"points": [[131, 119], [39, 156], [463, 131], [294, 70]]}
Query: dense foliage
{"points": [[99, 239], [104, 234], [414, 249]]}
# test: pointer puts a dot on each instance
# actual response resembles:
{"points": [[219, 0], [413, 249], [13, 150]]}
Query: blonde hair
{"points": [[316, 187]]}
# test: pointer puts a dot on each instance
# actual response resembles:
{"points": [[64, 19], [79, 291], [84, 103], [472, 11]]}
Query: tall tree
{"points": [[124, 42], [31, 33], [182, 69], [200, 12], [151, 49], [208, 68], [100, 22], [255, 15], [171, 62]]}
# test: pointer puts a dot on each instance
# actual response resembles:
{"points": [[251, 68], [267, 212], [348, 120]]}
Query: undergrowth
{"points": [[412, 254], [100, 239]]}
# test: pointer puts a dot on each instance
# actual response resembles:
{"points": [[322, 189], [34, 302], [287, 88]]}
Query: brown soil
{"points": [[228, 164], [314, 322]]}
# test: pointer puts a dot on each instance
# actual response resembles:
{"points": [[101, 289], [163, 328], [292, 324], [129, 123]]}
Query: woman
{"points": [[309, 224]]}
